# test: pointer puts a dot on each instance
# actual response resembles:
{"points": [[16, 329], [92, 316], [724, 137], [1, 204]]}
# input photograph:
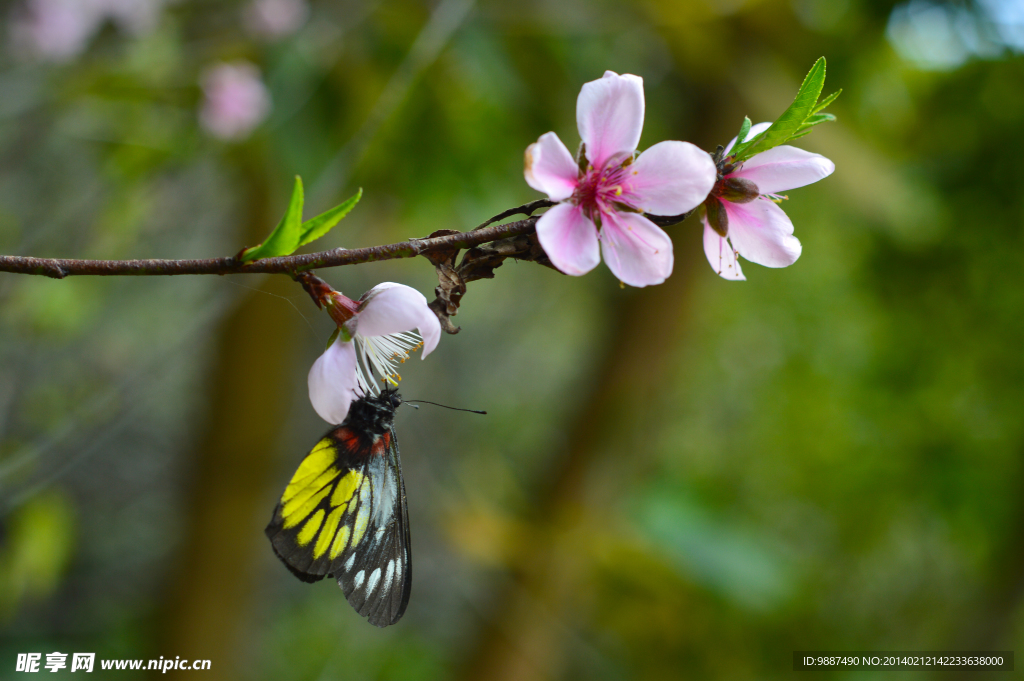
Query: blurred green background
{"points": [[687, 481]]}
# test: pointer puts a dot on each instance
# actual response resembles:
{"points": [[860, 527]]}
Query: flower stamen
{"points": [[381, 355]]}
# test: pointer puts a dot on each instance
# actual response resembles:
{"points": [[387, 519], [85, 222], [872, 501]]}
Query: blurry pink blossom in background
{"points": [[52, 30], [60, 30], [272, 19], [134, 17], [235, 100]]}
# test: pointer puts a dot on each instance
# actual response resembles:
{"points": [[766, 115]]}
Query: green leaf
{"points": [[791, 120], [314, 228], [286, 236]]}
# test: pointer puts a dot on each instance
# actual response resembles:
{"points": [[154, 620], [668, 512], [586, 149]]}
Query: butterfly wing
{"points": [[377, 577], [344, 515]]}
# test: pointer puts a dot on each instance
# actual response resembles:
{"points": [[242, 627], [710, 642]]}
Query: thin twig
{"points": [[668, 220], [526, 209]]}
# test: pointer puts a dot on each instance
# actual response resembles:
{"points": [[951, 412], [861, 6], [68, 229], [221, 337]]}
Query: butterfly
{"points": [[344, 513]]}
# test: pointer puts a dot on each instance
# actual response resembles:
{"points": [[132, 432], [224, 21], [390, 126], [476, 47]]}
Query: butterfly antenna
{"points": [[471, 411]]}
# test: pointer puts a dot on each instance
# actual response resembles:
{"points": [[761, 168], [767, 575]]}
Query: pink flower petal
{"points": [[610, 116], [391, 308], [636, 250], [754, 131], [550, 167], [783, 168], [332, 381], [762, 233], [721, 256], [569, 238], [670, 178]]}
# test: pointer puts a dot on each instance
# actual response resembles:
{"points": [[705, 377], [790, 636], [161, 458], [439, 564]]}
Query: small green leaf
{"points": [[314, 228], [814, 119], [744, 130], [828, 100], [286, 236], [791, 120]]}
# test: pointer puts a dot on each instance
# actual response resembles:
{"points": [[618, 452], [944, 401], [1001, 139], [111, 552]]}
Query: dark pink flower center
{"points": [[600, 189]]}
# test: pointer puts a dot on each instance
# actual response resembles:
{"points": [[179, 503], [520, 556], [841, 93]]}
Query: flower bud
{"points": [[341, 308], [737, 190], [717, 217]]}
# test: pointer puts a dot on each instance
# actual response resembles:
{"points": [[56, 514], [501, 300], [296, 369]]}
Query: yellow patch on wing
{"points": [[310, 529], [346, 488], [327, 534], [340, 541], [316, 463], [294, 511], [363, 516], [297, 493]]}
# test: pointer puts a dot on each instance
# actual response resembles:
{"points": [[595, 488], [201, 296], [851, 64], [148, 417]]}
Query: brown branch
{"points": [[59, 268]]}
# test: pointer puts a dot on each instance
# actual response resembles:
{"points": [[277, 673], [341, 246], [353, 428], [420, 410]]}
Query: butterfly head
{"points": [[374, 413]]}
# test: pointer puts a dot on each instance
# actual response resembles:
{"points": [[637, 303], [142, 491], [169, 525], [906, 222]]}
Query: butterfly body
{"points": [[344, 513]]}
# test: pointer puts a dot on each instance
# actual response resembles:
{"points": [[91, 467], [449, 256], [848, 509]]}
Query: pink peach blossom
{"points": [[603, 197], [741, 216]]}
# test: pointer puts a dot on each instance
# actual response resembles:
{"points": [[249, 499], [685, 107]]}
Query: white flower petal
{"points": [[391, 308], [430, 332], [550, 168], [762, 233], [636, 250], [785, 167], [754, 131], [670, 178], [332, 381], [720, 255], [569, 238], [610, 116]]}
